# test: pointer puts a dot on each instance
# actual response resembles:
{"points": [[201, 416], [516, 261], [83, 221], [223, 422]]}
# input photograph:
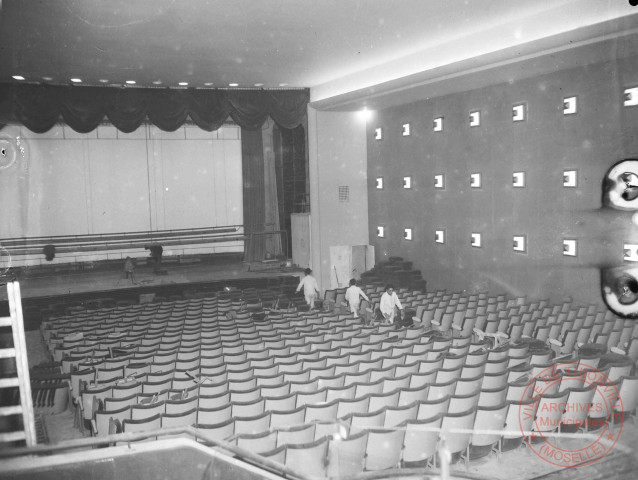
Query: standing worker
{"points": [[310, 287], [353, 297]]}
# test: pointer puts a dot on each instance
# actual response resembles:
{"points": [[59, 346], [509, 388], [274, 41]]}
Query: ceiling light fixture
{"points": [[283, 84], [208, 84], [233, 84], [259, 84], [103, 80], [157, 82], [130, 82], [18, 77], [76, 80], [47, 79], [183, 84]]}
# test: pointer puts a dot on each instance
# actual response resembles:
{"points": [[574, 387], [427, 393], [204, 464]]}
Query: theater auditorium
{"points": [[318, 239]]}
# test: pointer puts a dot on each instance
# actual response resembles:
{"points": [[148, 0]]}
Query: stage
{"points": [[40, 287]]}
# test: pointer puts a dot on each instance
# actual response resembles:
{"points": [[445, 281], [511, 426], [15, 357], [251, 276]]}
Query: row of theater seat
{"points": [[465, 369]]}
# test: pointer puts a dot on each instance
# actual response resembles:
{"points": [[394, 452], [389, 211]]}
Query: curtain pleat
{"points": [[254, 195], [39, 107]]}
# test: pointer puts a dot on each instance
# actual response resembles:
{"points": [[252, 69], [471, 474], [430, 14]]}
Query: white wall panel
{"points": [[57, 201], [118, 186], [100, 184]]}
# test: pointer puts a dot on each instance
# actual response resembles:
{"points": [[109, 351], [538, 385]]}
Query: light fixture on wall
{"points": [[438, 124], [519, 112], [439, 181], [439, 236], [475, 180], [630, 252], [630, 97], [518, 179], [378, 133], [476, 240], [379, 183], [570, 178], [475, 118], [406, 129], [381, 231], [520, 243], [365, 114], [407, 182], [570, 105], [407, 233], [570, 247]]}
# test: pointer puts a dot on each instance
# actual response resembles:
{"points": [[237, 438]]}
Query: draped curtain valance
{"points": [[40, 107]]}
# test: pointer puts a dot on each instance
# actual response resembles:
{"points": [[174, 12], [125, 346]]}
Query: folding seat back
{"points": [[301, 434], [346, 456], [574, 415], [627, 397], [213, 416], [380, 401], [421, 439], [217, 431], [146, 424], [322, 412], [487, 418], [181, 419], [257, 442], [457, 443], [104, 417], [253, 424], [282, 402], [384, 449], [395, 416], [308, 457], [365, 421]]}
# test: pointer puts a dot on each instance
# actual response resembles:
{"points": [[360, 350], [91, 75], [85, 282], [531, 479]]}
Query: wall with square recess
{"points": [[536, 156]]}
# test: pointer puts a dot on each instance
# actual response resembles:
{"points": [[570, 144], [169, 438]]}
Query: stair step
{"points": [[9, 382], [12, 410], [7, 352], [12, 437]]}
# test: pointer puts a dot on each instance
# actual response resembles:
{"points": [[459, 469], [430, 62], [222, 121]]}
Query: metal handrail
{"points": [[93, 442]]}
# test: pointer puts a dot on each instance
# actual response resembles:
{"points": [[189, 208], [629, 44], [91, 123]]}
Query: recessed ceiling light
{"points": [[283, 84], [233, 84], [130, 82], [103, 80], [157, 82], [76, 80], [18, 77], [259, 84], [183, 84]]}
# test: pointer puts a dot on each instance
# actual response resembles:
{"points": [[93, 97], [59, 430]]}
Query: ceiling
{"points": [[344, 51]]}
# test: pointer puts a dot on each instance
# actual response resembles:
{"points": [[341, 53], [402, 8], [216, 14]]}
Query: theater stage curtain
{"points": [[263, 192], [40, 107]]}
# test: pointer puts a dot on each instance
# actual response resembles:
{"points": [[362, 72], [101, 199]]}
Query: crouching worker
{"points": [[389, 304]]}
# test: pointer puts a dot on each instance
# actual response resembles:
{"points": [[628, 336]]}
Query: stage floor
{"points": [[36, 284]]}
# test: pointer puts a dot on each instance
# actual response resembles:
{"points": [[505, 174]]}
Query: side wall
{"points": [[338, 186], [543, 146]]}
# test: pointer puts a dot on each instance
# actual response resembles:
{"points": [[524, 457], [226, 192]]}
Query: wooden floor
{"points": [[36, 283]]}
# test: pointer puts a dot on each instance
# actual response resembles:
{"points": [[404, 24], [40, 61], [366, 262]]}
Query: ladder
{"points": [[22, 381]]}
